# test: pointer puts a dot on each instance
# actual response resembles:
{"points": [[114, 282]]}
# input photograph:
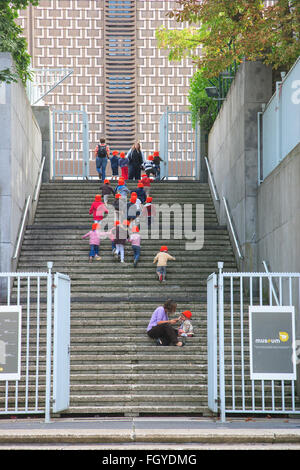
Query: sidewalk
{"points": [[150, 430]]}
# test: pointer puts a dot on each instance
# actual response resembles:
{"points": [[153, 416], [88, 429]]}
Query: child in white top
{"points": [[186, 327]]}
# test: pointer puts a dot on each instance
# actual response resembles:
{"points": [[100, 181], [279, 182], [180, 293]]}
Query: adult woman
{"points": [[135, 160], [161, 328]]}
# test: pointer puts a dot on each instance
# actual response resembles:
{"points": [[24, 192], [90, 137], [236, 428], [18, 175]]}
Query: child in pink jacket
{"points": [[94, 236]]}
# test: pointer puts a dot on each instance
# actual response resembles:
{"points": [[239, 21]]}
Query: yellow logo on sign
{"points": [[283, 336]]}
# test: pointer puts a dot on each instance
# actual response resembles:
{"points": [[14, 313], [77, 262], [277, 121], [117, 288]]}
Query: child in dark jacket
{"points": [[114, 163], [156, 161], [140, 192], [106, 191], [149, 210]]}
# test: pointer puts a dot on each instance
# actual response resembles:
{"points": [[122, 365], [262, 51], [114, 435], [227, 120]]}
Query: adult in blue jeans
{"points": [[101, 153]]}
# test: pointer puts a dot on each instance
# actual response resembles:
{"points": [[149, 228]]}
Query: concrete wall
{"points": [[278, 223], [232, 154], [20, 158], [42, 115]]}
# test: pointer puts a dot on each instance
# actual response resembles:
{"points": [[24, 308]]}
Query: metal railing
{"points": [[227, 211], [231, 295]]}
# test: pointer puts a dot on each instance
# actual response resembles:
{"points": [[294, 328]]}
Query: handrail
{"points": [[39, 180], [211, 180], [22, 227], [232, 229], [271, 282]]}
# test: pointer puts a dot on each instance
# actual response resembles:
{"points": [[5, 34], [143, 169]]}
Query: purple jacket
{"points": [[158, 315]]}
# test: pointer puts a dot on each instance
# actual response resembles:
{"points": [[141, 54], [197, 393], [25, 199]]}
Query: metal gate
{"points": [[25, 363], [179, 146], [231, 387], [70, 144]]}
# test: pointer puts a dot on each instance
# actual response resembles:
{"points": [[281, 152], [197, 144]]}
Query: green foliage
{"points": [[233, 30], [203, 108], [11, 40]]}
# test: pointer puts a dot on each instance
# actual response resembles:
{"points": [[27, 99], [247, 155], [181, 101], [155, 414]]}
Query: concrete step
{"points": [[115, 367]]}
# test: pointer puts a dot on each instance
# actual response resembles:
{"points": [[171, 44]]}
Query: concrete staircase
{"points": [[115, 368]]}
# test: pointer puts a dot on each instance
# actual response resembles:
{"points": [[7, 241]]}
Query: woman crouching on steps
{"points": [[161, 328]]}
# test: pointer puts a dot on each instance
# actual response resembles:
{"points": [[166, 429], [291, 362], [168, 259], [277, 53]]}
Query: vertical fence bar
{"points": [[27, 344], [48, 345], [37, 343], [232, 343], [221, 341], [242, 340]]}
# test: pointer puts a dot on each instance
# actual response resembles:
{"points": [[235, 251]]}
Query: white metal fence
{"points": [[179, 145], [31, 293], [70, 144], [231, 389], [280, 122]]}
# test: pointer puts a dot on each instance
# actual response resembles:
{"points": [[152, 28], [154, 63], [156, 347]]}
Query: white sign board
{"points": [[272, 343], [10, 342]]}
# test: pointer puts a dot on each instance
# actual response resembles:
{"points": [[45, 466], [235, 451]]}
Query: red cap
{"points": [[94, 226], [98, 197], [163, 248], [149, 199], [115, 152], [140, 185], [187, 314], [150, 157], [117, 196], [155, 154], [121, 181], [106, 181], [122, 154]]}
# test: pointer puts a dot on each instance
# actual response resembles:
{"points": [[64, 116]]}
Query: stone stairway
{"points": [[115, 368]]}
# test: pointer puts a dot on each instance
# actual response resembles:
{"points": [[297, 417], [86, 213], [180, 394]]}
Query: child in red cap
{"points": [[149, 210], [149, 166], [135, 240], [123, 164], [140, 192], [162, 259], [98, 209], [114, 163], [94, 236], [147, 183], [186, 327], [106, 191], [156, 161]]}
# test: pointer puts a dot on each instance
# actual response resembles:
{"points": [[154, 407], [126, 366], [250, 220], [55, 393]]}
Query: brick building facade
{"points": [[120, 77]]}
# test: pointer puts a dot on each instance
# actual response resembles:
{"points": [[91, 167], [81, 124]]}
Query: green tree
{"points": [[203, 109], [11, 40], [229, 31]]}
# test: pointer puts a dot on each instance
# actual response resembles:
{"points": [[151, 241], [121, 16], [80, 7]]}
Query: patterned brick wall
{"points": [[70, 34]]}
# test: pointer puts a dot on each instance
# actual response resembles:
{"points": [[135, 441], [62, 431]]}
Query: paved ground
{"points": [[150, 433]]}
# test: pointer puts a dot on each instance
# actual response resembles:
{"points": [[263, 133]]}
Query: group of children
{"points": [[120, 160], [128, 206]]}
